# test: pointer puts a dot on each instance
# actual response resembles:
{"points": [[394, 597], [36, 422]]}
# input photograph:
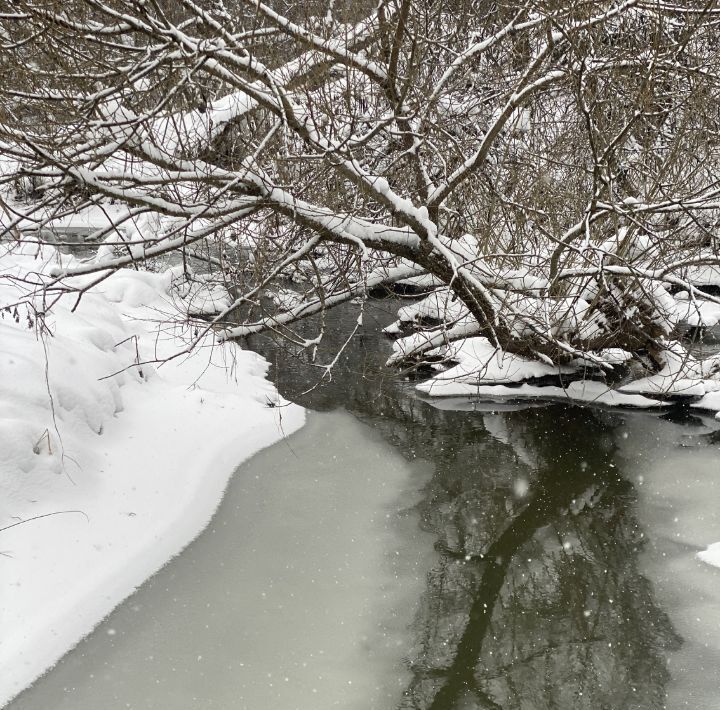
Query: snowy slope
{"points": [[139, 458]]}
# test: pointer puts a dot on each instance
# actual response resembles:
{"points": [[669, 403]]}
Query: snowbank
{"points": [[478, 368], [480, 362], [483, 370], [121, 472], [712, 555], [697, 312], [710, 402], [588, 392], [682, 376]]}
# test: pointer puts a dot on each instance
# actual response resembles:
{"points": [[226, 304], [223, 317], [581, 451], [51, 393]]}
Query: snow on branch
{"points": [[553, 170]]}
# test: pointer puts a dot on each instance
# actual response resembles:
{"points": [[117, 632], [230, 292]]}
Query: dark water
{"points": [[566, 578]]}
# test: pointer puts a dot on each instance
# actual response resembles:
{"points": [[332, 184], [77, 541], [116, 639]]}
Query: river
{"points": [[400, 553]]}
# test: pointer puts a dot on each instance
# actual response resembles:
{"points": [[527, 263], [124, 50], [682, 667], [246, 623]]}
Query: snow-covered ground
{"points": [[115, 465]]}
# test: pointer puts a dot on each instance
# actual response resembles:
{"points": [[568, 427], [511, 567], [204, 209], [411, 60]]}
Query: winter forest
{"points": [[438, 280]]}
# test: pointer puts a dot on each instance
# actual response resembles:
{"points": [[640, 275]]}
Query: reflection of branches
{"points": [[567, 611], [460, 675], [551, 647], [550, 610]]}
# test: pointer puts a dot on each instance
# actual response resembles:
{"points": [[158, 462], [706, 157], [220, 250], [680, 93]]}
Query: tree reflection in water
{"points": [[537, 601], [548, 608]]}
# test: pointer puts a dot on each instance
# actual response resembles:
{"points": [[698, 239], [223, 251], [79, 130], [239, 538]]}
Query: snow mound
{"points": [[587, 392], [703, 275], [697, 312], [439, 305], [422, 281], [711, 556], [203, 294], [710, 401], [109, 465], [483, 370], [480, 363], [681, 376]]}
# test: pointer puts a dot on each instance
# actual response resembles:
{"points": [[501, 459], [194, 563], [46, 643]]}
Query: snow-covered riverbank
{"points": [[299, 595], [120, 473]]}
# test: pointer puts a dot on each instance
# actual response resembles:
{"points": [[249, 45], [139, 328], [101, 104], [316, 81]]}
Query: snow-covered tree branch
{"points": [[551, 166]]}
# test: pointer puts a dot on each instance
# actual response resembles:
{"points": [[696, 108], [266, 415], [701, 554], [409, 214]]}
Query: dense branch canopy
{"points": [[552, 164]]}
